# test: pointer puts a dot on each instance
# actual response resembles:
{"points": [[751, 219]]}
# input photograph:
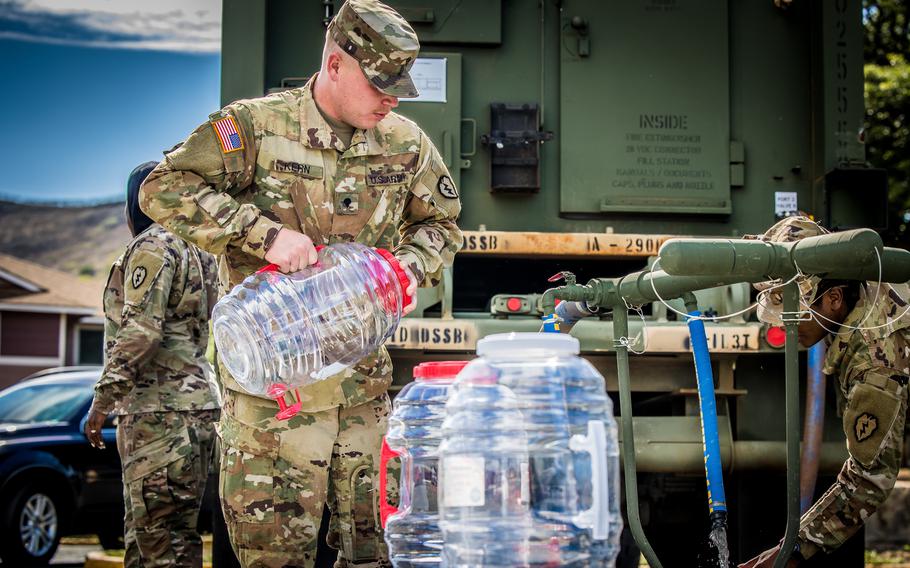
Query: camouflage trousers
{"points": [[166, 458], [277, 476]]}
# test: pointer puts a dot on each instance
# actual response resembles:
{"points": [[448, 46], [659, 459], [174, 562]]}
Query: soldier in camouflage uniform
{"points": [[262, 182], [871, 366], [157, 302]]}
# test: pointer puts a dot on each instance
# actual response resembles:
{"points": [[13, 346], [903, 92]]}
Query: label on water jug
{"points": [[463, 485]]}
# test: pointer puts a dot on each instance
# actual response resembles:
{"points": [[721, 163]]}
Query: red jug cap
{"points": [[435, 370]]}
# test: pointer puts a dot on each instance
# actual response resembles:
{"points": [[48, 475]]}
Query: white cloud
{"points": [[167, 25]]}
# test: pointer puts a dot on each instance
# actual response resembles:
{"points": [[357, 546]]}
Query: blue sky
{"points": [[91, 88]]}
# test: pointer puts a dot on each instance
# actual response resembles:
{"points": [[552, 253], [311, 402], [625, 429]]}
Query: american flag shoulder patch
{"points": [[228, 134]]}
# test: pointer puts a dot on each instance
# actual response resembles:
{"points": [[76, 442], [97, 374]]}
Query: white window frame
{"points": [[77, 344]]}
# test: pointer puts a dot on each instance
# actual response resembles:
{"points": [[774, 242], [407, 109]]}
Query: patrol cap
{"points": [[381, 41], [792, 229], [788, 230]]}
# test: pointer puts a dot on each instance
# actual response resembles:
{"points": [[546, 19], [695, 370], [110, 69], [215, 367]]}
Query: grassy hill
{"points": [[82, 240]]}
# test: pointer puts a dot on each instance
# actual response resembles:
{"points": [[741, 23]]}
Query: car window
{"points": [[42, 403]]}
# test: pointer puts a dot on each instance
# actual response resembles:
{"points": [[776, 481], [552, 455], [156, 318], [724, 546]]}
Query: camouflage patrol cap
{"points": [[792, 229], [787, 230], [382, 42]]}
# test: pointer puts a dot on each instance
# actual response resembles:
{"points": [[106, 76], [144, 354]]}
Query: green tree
{"points": [[887, 98]]}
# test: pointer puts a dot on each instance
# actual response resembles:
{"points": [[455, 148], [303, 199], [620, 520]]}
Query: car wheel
{"points": [[31, 528]]}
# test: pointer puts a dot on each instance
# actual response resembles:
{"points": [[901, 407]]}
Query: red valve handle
{"points": [[385, 509]]}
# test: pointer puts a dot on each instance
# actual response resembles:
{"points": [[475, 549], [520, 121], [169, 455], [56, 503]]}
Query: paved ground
{"points": [[73, 554]]}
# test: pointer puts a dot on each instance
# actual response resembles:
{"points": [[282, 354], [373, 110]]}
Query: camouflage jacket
{"points": [[157, 302], [871, 367], [263, 164]]}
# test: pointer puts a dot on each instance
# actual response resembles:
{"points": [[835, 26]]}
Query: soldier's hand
{"points": [[291, 251], [411, 291], [766, 560], [93, 425]]}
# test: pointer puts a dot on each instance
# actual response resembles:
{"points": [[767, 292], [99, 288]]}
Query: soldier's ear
{"points": [[835, 299], [333, 65]]}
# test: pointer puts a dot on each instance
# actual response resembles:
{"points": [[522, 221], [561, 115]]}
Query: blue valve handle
{"points": [[717, 500]]}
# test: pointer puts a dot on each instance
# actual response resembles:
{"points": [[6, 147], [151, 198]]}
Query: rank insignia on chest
{"points": [[228, 134], [302, 170], [347, 203]]}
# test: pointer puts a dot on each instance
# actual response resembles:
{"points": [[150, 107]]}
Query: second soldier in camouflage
{"points": [[868, 327], [157, 302]]}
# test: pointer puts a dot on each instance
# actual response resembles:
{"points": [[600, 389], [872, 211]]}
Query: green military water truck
{"points": [[583, 134]]}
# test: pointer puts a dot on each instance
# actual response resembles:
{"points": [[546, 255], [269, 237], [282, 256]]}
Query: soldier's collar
{"points": [[365, 143], [317, 133], [887, 316]]}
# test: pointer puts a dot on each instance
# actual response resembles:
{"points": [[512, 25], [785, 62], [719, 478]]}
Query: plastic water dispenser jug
{"points": [[276, 332], [415, 430]]}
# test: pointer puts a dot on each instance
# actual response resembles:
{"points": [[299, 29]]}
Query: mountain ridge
{"points": [[82, 239]]}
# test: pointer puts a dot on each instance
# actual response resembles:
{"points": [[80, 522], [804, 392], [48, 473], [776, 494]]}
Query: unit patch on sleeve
{"points": [[228, 135], [138, 277], [866, 424], [446, 187]]}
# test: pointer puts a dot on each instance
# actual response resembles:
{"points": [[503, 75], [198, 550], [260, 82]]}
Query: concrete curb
{"points": [[102, 560]]}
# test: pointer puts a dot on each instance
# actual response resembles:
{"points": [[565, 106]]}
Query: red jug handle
{"points": [[268, 268], [403, 279], [385, 509]]}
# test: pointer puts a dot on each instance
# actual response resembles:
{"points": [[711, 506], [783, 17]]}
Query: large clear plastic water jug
{"points": [[484, 491], [415, 430], [567, 486], [587, 400], [276, 332]]}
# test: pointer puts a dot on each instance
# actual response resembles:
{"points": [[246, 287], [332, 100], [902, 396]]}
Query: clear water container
{"points": [[484, 483], [587, 401], [277, 332], [415, 430], [531, 393]]}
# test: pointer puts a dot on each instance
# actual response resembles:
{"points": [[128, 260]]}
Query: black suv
{"points": [[52, 482]]}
